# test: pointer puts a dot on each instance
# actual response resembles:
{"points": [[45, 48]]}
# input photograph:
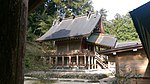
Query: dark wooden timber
{"points": [[13, 20]]}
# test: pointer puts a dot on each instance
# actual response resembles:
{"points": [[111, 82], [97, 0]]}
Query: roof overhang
{"points": [[65, 38], [121, 49], [102, 40]]}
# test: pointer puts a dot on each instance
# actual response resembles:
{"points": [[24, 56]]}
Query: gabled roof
{"points": [[102, 39], [79, 26]]}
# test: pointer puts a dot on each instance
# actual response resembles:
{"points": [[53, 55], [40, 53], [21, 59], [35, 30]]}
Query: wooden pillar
{"points": [[95, 62], [44, 60], [99, 48], [117, 66], [77, 60], [69, 60], [94, 47], [62, 61], [56, 60], [92, 62], [88, 62], [85, 60], [50, 60], [67, 46]]}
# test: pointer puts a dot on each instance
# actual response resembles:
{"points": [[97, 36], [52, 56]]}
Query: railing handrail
{"points": [[83, 51]]}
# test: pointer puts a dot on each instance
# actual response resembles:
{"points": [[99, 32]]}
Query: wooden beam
{"points": [[121, 49]]}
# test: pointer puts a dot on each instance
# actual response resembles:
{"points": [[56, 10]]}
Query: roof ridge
{"points": [[77, 16]]}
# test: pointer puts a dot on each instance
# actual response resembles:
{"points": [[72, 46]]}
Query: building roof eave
{"points": [[65, 38], [120, 49]]}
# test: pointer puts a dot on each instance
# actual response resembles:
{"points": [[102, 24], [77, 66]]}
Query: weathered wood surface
{"points": [[13, 20]]}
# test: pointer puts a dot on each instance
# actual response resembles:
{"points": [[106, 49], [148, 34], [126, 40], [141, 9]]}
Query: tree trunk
{"points": [[13, 20]]}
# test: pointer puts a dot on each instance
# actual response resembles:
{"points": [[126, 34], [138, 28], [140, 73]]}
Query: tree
{"points": [[13, 20], [122, 27]]}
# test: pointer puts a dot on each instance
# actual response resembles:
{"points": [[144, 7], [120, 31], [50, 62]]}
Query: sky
{"points": [[117, 6]]}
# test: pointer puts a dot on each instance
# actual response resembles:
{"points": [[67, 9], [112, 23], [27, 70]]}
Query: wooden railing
{"points": [[100, 60], [71, 52]]}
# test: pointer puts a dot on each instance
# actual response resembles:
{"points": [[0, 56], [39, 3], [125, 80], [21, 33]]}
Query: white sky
{"points": [[117, 6]]}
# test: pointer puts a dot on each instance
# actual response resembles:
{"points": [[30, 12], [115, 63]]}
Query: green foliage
{"points": [[31, 52], [44, 24], [33, 60], [103, 12], [122, 27]]}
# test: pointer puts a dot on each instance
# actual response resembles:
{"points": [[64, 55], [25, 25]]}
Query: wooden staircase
{"points": [[100, 60]]}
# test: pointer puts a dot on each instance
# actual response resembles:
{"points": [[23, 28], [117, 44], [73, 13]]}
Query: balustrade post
{"points": [[56, 60], [62, 61], [88, 62]]}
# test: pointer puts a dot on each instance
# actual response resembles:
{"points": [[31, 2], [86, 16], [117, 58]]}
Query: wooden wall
{"points": [[139, 81], [135, 62], [68, 45], [132, 63]]}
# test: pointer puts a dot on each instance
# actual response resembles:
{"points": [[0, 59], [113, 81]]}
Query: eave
{"points": [[121, 49]]}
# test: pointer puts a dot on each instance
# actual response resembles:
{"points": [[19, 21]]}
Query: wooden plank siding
{"points": [[68, 45], [132, 61], [140, 80]]}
